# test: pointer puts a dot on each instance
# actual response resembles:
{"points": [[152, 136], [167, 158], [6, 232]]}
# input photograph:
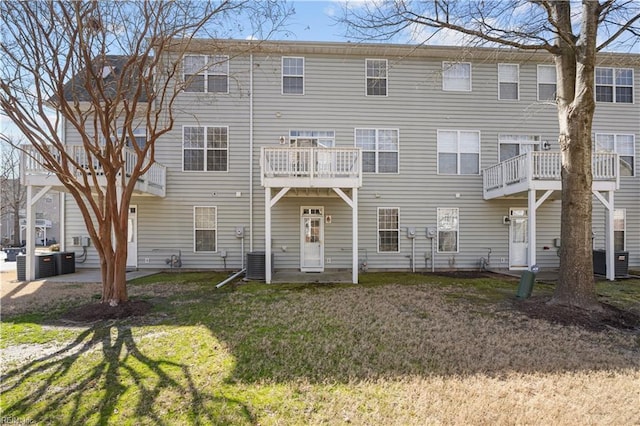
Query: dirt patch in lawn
{"points": [[609, 317], [103, 311], [469, 274]]}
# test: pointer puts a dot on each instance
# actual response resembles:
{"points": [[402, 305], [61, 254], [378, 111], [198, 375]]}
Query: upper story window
{"points": [[292, 75], [205, 226], [388, 229], [508, 82], [514, 145], [547, 83], [379, 150], [623, 145], [458, 152], [204, 73], [614, 85], [448, 230], [456, 76], [376, 77], [205, 148], [312, 138]]}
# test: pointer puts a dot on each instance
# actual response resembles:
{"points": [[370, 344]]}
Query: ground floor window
{"points": [[205, 228], [388, 229], [448, 227], [619, 224]]}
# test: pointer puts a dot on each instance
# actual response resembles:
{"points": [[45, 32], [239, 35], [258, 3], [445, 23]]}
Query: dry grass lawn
{"points": [[415, 350]]}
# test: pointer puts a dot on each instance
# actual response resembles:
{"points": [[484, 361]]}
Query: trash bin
{"points": [[526, 285], [12, 252], [45, 266], [65, 262]]}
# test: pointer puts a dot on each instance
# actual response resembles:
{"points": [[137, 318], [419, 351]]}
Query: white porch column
{"points": [[267, 235], [531, 229], [354, 221], [609, 245], [62, 222], [30, 264]]}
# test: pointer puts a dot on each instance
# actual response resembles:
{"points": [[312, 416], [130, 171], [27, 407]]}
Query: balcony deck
{"points": [[287, 167], [540, 170], [153, 182]]}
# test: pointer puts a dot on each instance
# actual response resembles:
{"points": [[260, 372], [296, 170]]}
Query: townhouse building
{"points": [[344, 156]]}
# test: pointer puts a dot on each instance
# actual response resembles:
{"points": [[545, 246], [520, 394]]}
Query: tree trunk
{"points": [[114, 268], [576, 284], [576, 106], [16, 228]]}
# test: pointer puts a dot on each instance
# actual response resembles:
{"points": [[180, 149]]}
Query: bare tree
{"points": [[572, 32], [12, 193], [58, 67]]}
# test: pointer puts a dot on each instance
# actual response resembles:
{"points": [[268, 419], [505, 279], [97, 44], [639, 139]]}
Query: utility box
{"points": [[21, 267], [621, 263], [256, 265]]}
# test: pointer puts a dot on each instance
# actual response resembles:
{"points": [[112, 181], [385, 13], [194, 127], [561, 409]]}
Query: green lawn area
{"points": [[396, 349]]}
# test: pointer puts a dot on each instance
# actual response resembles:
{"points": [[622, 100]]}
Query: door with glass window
{"points": [[312, 239], [132, 238], [518, 239]]}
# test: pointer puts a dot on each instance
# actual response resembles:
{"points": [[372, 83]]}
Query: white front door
{"points": [[518, 243], [312, 239], [132, 238]]}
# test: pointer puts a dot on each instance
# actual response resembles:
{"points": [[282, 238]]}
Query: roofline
{"points": [[387, 50]]}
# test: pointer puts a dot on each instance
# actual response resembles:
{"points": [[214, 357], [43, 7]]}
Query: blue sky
{"points": [[312, 21]]}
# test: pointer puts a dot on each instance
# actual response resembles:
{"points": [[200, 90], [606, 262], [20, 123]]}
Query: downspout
{"points": [[62, 220], [231, 278], [250, 152]]}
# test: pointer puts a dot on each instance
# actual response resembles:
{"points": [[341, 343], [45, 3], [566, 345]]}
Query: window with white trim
{"points": [[623, 145], [205, 148], [513, 145], [508, 82], [619, 227], [205, 228], [292, 75], [456, 76], [547, 83], [139, 136], [312, 138], [614, 85], [206, 73], [458, 152], [376, 70], [448, 230], [379, 149], [388, 229]]}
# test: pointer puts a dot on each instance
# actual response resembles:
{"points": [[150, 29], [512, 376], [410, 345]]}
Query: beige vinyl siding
{"points": [[334, 99]]}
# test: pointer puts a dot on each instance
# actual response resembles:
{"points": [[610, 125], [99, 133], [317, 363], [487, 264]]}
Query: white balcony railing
{"points": [[311, 167], [153, 181], [541, 170]]}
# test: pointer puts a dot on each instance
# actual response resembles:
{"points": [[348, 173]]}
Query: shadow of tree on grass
{"points": [[58, 388]]}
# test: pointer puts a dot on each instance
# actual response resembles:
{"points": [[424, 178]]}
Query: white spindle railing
{"points": [[543, 165], [311, 162], [32, 164]]}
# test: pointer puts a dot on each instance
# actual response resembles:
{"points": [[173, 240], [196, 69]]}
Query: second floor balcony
{"points": [[311, 167], [153, 182], [541, 170]]}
